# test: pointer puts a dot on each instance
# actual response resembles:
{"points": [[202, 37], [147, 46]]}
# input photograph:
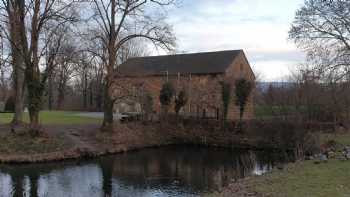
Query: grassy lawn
{"points": [[269, 111], [308, 179], [23, 143], [54, 117], [263, 111]]}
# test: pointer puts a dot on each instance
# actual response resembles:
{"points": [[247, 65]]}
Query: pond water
{"points": [[166, 171]]}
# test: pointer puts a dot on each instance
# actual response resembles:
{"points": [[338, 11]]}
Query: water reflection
{"points": [[167, 171]]}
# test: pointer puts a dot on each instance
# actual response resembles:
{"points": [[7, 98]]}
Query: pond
{"points": [[166, 171]]}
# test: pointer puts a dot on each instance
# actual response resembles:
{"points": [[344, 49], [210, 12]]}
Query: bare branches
{"points": [[322, 29], [40, 28], [122, 21], [33, 26], [133, 22]]}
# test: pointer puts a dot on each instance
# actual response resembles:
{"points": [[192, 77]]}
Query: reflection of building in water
{"points": [[195, 169]]}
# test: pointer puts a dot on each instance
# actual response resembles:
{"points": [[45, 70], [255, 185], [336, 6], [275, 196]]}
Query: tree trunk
{"points": [[34, 110], [19, 91], [107, 178], [60, 100], [18, 63], [50, 92], [3, 86], [61, 94], [85, 91], [107, 124], [35, 93], [35, 84], [33, 185], [91, 95], [18, 186], [99, 97]]}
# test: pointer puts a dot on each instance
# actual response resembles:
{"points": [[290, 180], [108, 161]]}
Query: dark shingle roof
{"points": [[194, 63]]}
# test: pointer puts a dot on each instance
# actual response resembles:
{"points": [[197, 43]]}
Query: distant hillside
{"points": [[264, 86]]}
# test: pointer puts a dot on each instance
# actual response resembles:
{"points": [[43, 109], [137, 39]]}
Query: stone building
{"points": [[199, 74]]}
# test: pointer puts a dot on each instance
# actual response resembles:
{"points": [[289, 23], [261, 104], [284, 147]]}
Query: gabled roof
{"points": [[194, 63]]}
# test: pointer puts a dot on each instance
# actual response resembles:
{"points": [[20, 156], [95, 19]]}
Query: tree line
{"points": [[54, 47], [57, 54], [319, 90]]}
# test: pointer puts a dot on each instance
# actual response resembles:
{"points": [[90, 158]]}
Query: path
{"points": [[116, 116]]}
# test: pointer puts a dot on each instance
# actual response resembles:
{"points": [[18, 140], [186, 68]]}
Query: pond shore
{"points": [[297, 179], [62, 142], [302, 178]]}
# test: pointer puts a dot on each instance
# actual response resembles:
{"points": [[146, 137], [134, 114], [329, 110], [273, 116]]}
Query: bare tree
{"points": [[83, 71], [133, 48], [322, 28], [34, 18], [120, 22], [5, 71], [94, 85], [64, 70], [11, 12]]}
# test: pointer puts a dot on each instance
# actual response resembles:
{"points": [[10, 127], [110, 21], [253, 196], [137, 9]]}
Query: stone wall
{"points": [[240, 68]]}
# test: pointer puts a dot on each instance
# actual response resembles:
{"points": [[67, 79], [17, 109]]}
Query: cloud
{"points": [[260, 27], [280, 55], [273, 70]]}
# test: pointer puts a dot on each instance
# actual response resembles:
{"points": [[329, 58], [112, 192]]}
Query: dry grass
{"points": [[341, 138], [26, 144], [55, 118]]}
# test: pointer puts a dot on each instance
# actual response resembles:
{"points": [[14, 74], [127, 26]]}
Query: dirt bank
{"points": [[73, 142]]}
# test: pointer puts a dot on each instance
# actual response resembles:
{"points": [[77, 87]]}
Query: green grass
{"points": [[308, 179], [262, 111], [265, 111], [303, 178], [54, 117]]}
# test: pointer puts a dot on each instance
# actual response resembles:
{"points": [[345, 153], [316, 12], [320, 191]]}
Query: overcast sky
{"points": [[259, 27]]}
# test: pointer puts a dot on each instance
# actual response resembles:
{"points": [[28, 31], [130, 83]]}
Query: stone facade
{"points": [[204, 91]]}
